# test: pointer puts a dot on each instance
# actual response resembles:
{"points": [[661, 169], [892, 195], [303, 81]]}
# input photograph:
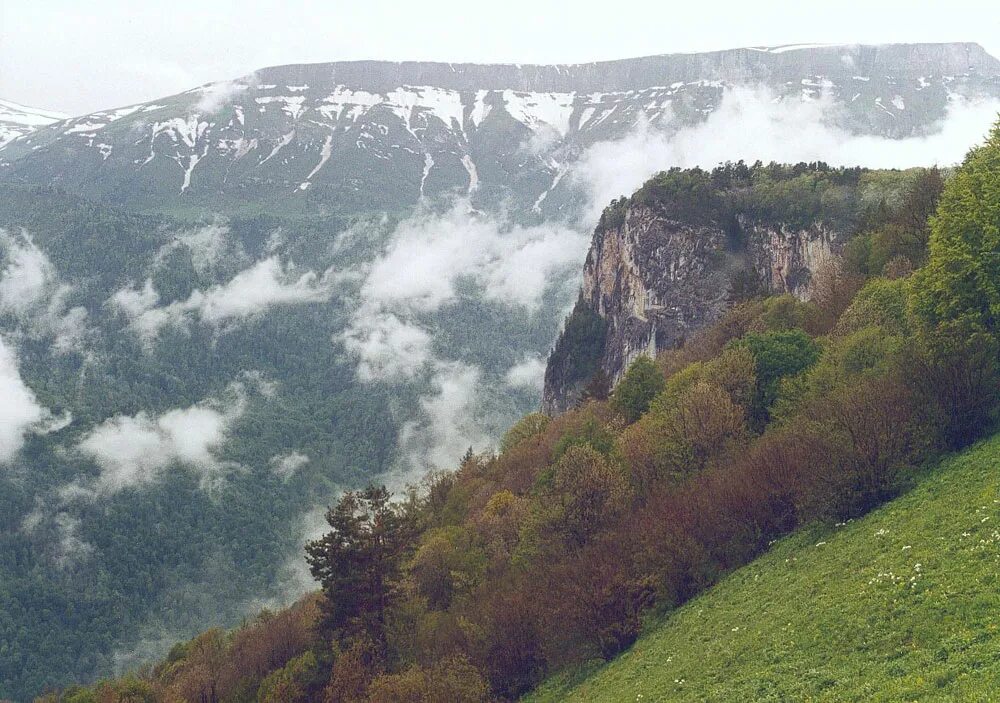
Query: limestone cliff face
{"points": [[654, 280]]}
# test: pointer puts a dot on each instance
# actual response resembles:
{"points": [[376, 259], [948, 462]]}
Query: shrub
{"points": [[451, 680], [962, 278], [776, 356], [862, 440], [528, 426], [290, 684], [880, 303], [586, 427], [447, 564], [641, 383]]}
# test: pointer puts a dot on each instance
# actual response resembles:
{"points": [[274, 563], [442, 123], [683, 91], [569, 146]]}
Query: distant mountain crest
{"points": [[359, 136], [17, 120]]}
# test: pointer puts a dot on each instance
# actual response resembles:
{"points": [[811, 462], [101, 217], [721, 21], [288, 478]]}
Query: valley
{"points": [[221, 309]]}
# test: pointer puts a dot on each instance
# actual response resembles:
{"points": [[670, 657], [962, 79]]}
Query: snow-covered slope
{"points": [[370, 135], [18, 120]]}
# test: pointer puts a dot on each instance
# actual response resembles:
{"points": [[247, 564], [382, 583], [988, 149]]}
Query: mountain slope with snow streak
{"points": [[18, 120], [364, 136]]}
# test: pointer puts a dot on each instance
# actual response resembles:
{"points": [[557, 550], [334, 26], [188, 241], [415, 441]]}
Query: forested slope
{"points": [[783, 416], [894, 606]]}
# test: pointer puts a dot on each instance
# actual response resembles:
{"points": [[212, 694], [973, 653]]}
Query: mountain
{"points": [[18, 120], [220, 309], [353, 137], [887, 607], [726, 525]]}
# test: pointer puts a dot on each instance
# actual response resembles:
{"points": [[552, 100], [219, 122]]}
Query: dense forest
{"points": [[104, 566], [477, 584]]}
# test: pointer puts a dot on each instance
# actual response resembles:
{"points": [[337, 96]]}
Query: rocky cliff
{"points": [[665, 263]]}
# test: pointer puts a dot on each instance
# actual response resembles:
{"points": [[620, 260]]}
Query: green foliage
{"points": [[357, 563], [900, 235], [527, 427], [291, 683], [776, 356], [845, 361], [640, 384], [453, 679], [854, 612], [880, 303], [590, 432], [577, 354], [589, 492], [962, 277], [447, 564], [687, 195]]}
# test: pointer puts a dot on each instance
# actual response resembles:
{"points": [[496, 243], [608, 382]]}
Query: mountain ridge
{"points": [[352, 137], [977, 57], [17, 120]]}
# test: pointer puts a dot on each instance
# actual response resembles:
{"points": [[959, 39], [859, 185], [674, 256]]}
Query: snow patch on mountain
{"points": [[18, 120]]}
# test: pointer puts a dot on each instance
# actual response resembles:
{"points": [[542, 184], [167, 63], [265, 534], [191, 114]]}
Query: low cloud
{"points": [[752, 124], [420, 270], [429, 253], [135, 449], [30, 291], [528, 374], [215, 96], [20, 411], [249, 293], [284, 466], [57, 536], [209, 246], [28, 278], [451, 420], [386, 347]]}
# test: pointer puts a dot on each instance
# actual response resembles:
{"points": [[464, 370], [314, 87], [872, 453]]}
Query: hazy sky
{"points": [[80, 56]]}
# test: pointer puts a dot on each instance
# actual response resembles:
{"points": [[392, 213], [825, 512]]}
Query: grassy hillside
{"points": [[898, 606]]}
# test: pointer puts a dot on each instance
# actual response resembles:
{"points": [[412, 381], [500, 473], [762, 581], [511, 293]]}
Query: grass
{"points": [[901, 605]]}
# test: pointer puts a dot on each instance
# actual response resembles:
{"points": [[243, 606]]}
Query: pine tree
{"points": [[358, 564]]}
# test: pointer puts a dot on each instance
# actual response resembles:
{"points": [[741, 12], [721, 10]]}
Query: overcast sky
{"points": [[80, 56]]}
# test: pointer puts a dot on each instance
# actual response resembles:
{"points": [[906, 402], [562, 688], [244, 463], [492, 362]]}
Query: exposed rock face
{"points": [[655, 280], [784, 258]]}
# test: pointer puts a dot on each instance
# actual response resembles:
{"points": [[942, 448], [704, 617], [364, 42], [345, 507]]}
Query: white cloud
{"points": [[20, 411], [28, 276], [428, 253], [215, 95], [30, 290], [250, 292], [133, 450], [419, 271], [386, 347], [293, 578], [58, 535], [69, 548], [450, 422], [285, 465], [259, 287], [208, 244], [751, 124], [529, 374]]}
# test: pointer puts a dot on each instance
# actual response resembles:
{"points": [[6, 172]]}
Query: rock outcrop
{"points": [[653, 279]]}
